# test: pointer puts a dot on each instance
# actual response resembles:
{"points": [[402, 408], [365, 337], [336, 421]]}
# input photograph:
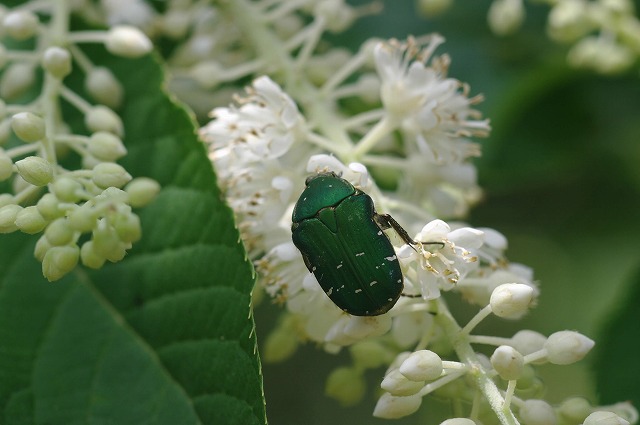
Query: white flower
{"points": [[440, 267], [251, 148], [425, 103]]}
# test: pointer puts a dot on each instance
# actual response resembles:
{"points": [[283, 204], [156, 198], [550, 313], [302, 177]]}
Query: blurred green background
{"points": [[562, 182]]}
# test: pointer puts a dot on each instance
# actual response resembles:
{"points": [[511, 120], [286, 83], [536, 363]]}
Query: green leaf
{"points": [[166, 336], [617, 367]]}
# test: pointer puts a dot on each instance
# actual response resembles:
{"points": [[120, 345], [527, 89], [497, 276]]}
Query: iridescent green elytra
{"points": [[340, 235]]}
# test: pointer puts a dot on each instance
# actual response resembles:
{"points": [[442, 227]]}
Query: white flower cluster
{"points": [[98, 198], [264, 148]]}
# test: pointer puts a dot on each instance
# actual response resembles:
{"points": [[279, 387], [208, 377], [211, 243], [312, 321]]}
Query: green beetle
{"points": [[342, 241]]}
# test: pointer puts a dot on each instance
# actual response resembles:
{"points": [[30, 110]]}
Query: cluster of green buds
{"points": [[40, 194]]}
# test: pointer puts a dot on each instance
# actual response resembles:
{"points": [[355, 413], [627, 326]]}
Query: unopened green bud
{"points": [[279, 346], [106, 146], [60, 260], [28, 127], [369, 354], [90, 257], [106, 243], [128, 42], [16, 79], [109, 174], [6, 166], [6, 199], [142, 191], [101, 118], [59, 232], [128, 227], [21, 24], [57, 61], [42, 246], [346, 385], [30, 221], [103, 87], [83, 219], [49, 207], [67, 189], [35, 170], [8, 215]]}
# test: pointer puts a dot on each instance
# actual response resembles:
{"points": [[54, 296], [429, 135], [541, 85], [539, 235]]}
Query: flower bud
{"points": [[106, 146], [49, 207], [369, 354], [142, 191], [575, 410], [8, 215], [422, 365], [127, 227], [566, 347], [21, 24], [59, 260], [109, 174], [346, 385], [605, 418], [58, 232], [458, 421], [568, 20], [505, 16], [67, 189], [57, 62], [429, 8], [6, 199], [207, 73], [42, 246], [176, 22], [395, 383], [28, 127], [279, 346], [83, 219], [537, 412], [35, 170], [102, 85], [30, 221], [107, 244], [6, 166], [16, 79], [127, 41], [511, 300], [101, 118], [527, 341], [391, 407], [508, 362], [90, 257]]}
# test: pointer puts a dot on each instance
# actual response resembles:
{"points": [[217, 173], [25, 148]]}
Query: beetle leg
{"points": [[385, 221]]}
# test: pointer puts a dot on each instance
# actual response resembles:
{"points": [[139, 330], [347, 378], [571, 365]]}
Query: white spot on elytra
{"points": [[357, 291], [392, 258], [373, 283], [379, 232], [330, 291], [360, 254], [339, 265]]}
